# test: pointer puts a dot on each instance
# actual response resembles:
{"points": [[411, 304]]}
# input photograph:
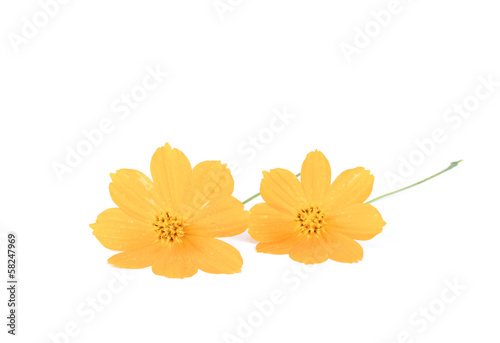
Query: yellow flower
{"points": [[313, 220], [170, 223]]}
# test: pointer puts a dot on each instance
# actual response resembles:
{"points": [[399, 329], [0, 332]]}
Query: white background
{"points": [[228, 76]]}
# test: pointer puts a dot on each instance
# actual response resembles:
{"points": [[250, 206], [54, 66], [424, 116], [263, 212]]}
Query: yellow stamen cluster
{"points": [[310, 220], [170, 228]]}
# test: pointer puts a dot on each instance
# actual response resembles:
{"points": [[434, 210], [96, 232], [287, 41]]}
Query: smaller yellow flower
{"points": [[171, 223], [313, 220]]}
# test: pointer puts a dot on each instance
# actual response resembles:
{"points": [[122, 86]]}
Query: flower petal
{"points": [[282, 191], [215, 256], [344, 249], [136, 259], [133, 192], [358, 221], [176, 261], [172, 175], [118, 231], [310, 249], [210, 180], [281, 247], [350, 187], [220, 217], [270, 225], [315, 176]]}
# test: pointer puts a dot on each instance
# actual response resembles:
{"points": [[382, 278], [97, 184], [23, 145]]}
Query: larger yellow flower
{"points": [[170, 223], [313, 220]]}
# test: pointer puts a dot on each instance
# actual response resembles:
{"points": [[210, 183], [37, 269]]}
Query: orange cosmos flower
{"points": [[170, 223], [313, 220]]}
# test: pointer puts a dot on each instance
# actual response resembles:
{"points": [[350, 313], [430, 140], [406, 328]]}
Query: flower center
{"points": [[310, 220], [170, 228]]}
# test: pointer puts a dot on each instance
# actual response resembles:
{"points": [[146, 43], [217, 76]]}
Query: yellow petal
{"points": [[281, 190], [118, 231], [310, 249], [172, 175], [344, 249], [136, 259], [270, 225], [223, 216], [211, 179], [134, 194], [350, 187], [358, 221], [175, 261], [281, 247], [215, 256], [315, 176]]}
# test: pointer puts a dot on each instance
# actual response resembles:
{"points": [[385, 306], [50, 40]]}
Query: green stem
{"points": [[452, 165], [251, 198], [256, 195]]}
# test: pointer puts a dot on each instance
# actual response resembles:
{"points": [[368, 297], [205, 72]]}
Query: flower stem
{"points": [[451, 166], [256, 195]]}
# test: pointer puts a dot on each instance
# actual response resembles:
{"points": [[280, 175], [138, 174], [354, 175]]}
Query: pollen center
{"points": [[170, 228], [310, 220]]}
